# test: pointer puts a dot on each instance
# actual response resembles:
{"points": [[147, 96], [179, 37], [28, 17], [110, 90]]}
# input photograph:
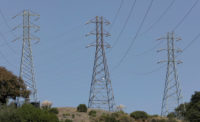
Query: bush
{"points": [[68, 120], [53, 110], [171, 115], [8, 114], [139, 115], [92, 113], [82, 108], [73, 116], [27, 113], [107, 118]]}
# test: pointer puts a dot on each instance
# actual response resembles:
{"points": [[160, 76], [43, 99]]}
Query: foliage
{"points": [[53, 110], [8, 114], [139, 115], [181, 110], [171, 115], [193, 109], [73, 116], [92, 113], [68, 120], [11, 86], [82, 108], [27, 113], [107, 118], [46, 104]]}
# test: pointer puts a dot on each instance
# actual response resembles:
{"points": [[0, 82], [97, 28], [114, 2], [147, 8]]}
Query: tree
{"points": [[82, 108], [11, 86], [139, 115], [181, 110], [193, 109]]}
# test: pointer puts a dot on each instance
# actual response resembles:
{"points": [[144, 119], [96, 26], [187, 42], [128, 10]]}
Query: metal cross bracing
{"points": [[101, 93], [26, 66], [172, 91]]}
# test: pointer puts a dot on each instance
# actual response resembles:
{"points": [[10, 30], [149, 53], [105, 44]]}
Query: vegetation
{"points": [[53, 110], [139, 115], [11, 86], [68, 120], [26, 113], [171, 115], [107, 118], [193, 108], [92, 113], [82, 108]]}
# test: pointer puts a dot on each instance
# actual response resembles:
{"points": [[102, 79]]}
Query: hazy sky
{"points": [[63, 65]]}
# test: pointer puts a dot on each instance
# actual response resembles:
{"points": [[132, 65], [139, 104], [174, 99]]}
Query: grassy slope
{"points": [[72, 114]]}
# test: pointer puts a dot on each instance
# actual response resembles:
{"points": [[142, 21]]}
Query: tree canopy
{"points": [[11, 86]]}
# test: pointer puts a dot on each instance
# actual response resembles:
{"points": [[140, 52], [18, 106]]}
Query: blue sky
{"points": [[63, 65]]}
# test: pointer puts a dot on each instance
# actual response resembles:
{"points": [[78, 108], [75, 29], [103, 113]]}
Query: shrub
{"points": [[171, 115], [139, 115], [107, 118], [73, 116], [27, 113], [68, 120], [82, 108], [46, 104], [8, 114], [53, 110], [92, 113]]}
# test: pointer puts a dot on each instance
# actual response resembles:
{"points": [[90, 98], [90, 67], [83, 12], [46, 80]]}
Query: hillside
{"points": [[102, 116]]}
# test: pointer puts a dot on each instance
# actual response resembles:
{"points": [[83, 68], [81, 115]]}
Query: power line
{"points": [[116, 15], [7, 61], [125, 24], [6, 42], [186, 15], [191, 42], [6, 23], [160, 17], [136, 35], [148, 50], [150, 72]]}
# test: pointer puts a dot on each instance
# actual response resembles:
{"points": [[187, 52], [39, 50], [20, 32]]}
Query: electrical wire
{"points": [[189, 44], [150, 72], [148, 50], [6, 23], [6, 42], [135, 37], [7, 61], [186, 15], [125, 24], [116, 15], [160, 17]]}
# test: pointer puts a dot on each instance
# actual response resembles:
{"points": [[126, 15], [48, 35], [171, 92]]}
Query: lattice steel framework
{"points": [[101, 93], [26, 65], [172, 91]]}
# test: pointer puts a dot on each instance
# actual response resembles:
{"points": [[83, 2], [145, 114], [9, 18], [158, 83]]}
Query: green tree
{"points": [[180, 111], [11, 86], [82, 108], [193, 109], [139, 115]]}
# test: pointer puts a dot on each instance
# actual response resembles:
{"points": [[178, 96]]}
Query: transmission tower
{"points": [[101, 93], [26, 65], [172, 92]]}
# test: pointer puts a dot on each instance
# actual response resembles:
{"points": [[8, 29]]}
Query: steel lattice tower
{"points": [[172, 92], [26, 65], [101, 93]]}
